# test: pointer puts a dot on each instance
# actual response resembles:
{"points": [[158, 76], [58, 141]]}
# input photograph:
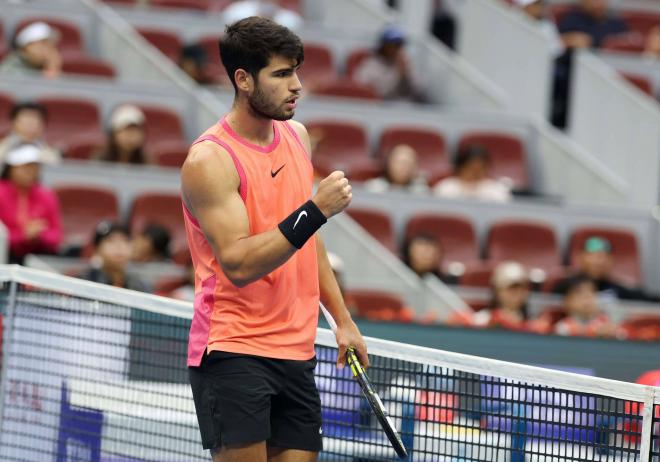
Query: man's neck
{"points": [[257, 130]]}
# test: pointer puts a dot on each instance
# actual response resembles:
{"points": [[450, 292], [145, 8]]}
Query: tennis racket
{"points": [[370, 393]]}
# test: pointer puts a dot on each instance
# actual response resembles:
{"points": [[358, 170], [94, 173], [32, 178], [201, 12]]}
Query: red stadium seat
{"points": [[640, 81], [70, 37], [71, 120], [455, 234], [163, 126], [341, 146], [625, 250], [82, 150], [169, 155], [86, 65], [477, 275], [354, 60], [6, 104], [632, 43], [641, 21], [199, 5], [4, 47], [318, 65], [376, 304], [214, 71], [553, 314], [344, 88], [122, 2], [430, 146], [531, 243], [376, 223], [167, 42], [82, 208], [164, 209], [293, 5], [506, 152], [643, 327]]}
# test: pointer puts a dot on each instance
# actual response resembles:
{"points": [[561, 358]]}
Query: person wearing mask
{"points": [[508, 308], [126, 138], [388, 70], [28, 210], [112, 252], [28, 126], [583, 316], [596, 262], [35, 52], [151, 245], [470, 179], [401, 173]]}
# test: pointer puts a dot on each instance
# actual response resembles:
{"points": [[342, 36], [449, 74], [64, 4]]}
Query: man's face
{"points": [[28, 125], [582, 301], [425, 255], [115, 251], [276, 90], [596, 265], [38, 53]]}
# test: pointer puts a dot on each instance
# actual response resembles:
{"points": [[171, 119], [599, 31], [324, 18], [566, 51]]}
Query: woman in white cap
{"points": [[126, 137], [35, 52], [28, 210]]}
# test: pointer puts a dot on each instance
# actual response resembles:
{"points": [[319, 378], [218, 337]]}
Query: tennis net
{"points": [[93, 373]]}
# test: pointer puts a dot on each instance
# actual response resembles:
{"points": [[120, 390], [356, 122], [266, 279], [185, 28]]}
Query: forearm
{"points": [[251, 258], [329, 288]]}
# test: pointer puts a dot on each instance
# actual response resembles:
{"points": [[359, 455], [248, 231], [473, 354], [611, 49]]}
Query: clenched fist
{"points": [[333, 194]]}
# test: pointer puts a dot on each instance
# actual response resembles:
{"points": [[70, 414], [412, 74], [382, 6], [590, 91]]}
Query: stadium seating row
{"points": [[532, 243], [198, 5]]}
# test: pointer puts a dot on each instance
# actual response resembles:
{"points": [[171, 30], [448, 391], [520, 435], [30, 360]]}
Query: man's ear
{"points": [[244, 80]]}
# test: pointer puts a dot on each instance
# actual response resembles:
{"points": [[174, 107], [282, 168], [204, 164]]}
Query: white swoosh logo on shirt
{"points": [[300, 215]]}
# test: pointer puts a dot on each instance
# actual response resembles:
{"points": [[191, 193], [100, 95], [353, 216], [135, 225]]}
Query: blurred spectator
{"points": [[508, 308], [192, 61], [151, 245], [264, 8], [423, 254], [186, 292], [35, 52], [112, 251], [29, 211], [595, 262], [126, 137], [589, 23], [470, 179], [388, 70], [583, 317], [401, 173], [652, 44], [28, 125], [535, 10]]}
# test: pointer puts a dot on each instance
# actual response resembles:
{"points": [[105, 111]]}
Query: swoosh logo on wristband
{"points": [[300, 215]]}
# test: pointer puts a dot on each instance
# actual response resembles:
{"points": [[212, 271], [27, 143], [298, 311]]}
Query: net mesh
{"points": [[92, 381], [655, 435]]}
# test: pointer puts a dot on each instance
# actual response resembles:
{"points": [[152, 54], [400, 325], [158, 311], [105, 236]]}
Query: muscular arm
{"points": [[209, 184]]}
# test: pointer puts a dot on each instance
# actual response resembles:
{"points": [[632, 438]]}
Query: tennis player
{"points": [[259, 264]]}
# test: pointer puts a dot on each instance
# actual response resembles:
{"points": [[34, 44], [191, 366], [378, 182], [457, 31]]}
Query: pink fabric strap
{"points": [[242, 187]]}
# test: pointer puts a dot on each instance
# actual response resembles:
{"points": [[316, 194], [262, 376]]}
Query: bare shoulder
{"points": [[207, 172], [301, 131]]}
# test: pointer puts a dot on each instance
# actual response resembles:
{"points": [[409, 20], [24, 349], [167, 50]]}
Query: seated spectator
{"points": [[583, 317], [588, 24], [29, 211], [265, 8], [423, 254], [28, 125], [388, 70], [508, 308], [35, 52], [151, 245], [112, 252], [470, 179], [126, 138], [595, 262], [192, 61], [535, 10], [186, 292], [401, 173]]}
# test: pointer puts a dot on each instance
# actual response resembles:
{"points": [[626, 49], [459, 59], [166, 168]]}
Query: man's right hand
{"points": [[333, 194]]}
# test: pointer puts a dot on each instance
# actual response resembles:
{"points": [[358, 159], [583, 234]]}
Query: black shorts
{"points": [[243, 399]]}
